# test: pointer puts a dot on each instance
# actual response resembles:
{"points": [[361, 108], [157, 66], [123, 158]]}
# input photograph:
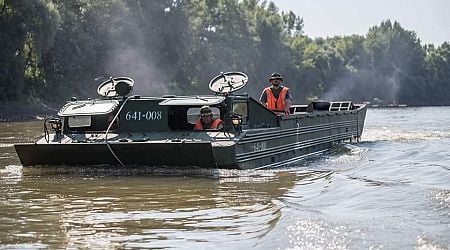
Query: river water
{"points": [[391, 191]]}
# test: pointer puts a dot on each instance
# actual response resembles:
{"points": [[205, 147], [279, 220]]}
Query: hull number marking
{"points": [[259, 146], [143, 116]]}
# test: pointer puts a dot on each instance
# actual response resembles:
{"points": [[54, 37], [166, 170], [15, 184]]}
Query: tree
{"points": [[438, 74], [52, 49], [28, 31], [397, 60]]}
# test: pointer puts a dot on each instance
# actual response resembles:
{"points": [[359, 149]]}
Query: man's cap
{"points": [[275, 76], [205, 110]]}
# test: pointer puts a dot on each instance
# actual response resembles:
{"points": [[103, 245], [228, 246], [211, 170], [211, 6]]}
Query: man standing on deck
{"points": [[276, 97]]}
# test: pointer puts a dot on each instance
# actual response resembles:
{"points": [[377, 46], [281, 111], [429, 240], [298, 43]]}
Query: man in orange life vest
{"points": [[276, 97], [207, 121]]}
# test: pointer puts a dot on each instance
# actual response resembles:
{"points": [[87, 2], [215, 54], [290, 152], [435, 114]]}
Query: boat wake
{"points": [[372, 134]]}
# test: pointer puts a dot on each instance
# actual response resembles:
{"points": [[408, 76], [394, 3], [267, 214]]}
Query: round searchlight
{"points": [[114, 87]]}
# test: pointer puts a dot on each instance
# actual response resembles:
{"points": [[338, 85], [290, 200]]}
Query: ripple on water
{"points": [[11, 174], [381, 193], [171, 227], [142, 211], [25, 246]]}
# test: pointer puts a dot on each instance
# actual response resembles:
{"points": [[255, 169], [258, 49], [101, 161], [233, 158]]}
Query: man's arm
{"points": [[287, 105], [288, 102], [263, 98]]}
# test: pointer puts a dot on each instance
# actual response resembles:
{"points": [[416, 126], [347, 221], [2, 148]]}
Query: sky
{"points": [[430, 19]]}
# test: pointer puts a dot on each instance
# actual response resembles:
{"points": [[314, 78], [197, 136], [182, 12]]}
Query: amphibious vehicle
{"points": [[131, 130]]}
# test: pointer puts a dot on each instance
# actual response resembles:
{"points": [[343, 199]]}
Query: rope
{"points": [[109, 127], [46, 134]]}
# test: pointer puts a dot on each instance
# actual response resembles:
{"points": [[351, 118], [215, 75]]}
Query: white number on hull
{"points": [[141, 116], [259, 146]]}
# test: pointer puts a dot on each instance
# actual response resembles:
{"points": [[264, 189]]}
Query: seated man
{"points": [[207, 121]]}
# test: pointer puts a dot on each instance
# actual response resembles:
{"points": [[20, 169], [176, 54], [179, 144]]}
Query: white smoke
{"points": [[365, 86], [130, 55]]}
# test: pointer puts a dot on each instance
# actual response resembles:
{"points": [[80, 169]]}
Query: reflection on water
{"points": [[83, 211], [307, 233], [15, 132]]}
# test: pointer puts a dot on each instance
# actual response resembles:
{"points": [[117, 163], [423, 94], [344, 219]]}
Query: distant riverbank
{"points": [[13, 112]]}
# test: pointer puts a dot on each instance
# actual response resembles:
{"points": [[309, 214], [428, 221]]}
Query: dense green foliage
{"points": [[52, 49]]}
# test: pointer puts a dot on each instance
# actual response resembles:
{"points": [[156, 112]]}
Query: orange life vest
{"points": [[273, 103], [214, 124]]}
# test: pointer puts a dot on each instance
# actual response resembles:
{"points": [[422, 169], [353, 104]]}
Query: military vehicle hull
{"points": [[298, 135], [145, 154]]}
